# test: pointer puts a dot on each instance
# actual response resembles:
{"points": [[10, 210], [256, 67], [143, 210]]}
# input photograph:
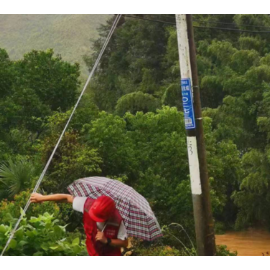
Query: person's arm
{"points": [[119, 243], [38, 198], [114, 242]]}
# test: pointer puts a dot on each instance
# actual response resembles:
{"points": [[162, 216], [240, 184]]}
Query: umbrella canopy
{"points": [[136, 212]]}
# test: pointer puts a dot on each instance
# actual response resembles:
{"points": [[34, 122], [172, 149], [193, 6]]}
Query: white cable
{"points": [[64, 130]]}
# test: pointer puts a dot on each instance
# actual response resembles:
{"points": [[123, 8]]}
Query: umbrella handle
{"points": [[104, 227]]}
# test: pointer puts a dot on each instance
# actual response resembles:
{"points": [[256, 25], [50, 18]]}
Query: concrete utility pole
{"points": [[204, 225]]}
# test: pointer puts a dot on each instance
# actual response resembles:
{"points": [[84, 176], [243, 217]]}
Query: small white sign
{"points": [[194, 166]]}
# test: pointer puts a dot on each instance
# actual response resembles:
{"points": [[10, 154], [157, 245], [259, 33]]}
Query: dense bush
{"points": [[41, 236]]}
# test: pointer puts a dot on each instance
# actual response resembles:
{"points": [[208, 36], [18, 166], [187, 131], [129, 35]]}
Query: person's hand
{"points": [[101, 237], [36, 198]]}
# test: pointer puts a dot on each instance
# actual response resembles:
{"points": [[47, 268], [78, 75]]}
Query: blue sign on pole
{"points": [[188, 104]]}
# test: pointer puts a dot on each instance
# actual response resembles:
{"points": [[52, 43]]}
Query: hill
{"points": [[68, 35]]}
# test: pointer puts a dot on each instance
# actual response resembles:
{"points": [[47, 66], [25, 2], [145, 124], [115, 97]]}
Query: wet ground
{"points": [[248, 243]]}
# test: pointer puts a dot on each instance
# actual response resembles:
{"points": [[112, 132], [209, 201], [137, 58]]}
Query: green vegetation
{"points": [[129, 126], [41, 236]]}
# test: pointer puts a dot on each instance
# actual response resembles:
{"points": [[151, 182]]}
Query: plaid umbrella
{"points": [[137, 215]]}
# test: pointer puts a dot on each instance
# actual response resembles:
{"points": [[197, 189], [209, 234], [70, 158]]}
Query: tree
{"points": [[16, 176], [108, 134], [253, 197], [73, 158], [6, 75], [132, 61], [49, 77], [136, 102]]}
